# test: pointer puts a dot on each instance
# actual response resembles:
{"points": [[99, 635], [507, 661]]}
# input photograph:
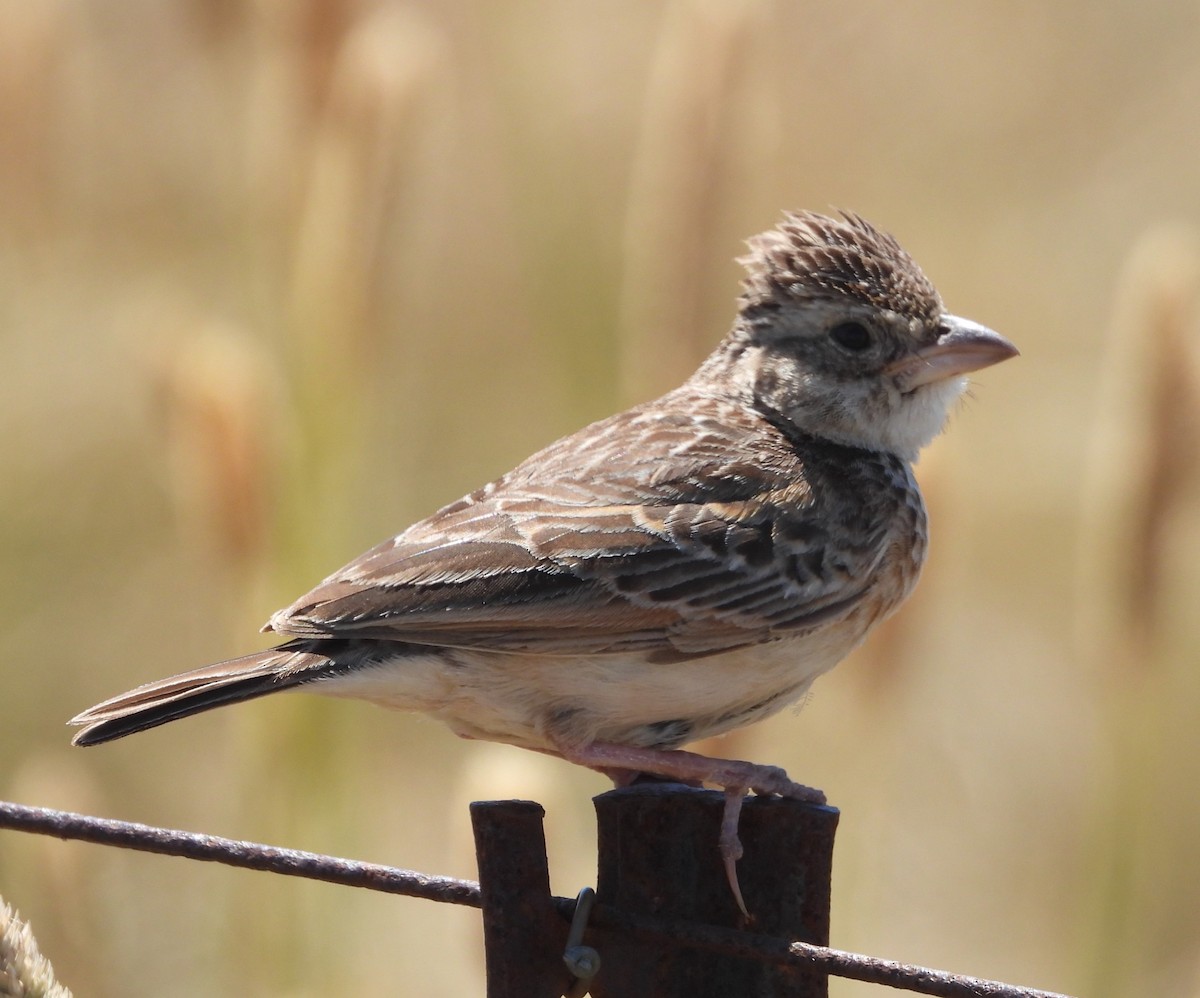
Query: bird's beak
{"points": [[963, 346]]}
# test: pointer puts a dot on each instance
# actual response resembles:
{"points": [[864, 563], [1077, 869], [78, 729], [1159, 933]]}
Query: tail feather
{"points": [[287, 666]]}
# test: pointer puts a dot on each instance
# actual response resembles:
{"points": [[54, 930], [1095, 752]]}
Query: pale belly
{"points": [[548, 702]]}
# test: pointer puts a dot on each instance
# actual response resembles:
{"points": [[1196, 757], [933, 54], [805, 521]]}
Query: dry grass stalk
{"points": [[32, 52], [355, 176], [223, 402], [1145, 452], [24, 972], [1133, 625], [675, 192]]}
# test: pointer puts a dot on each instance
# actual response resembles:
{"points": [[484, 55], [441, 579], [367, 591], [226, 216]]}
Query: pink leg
{"points": [[622, 762]]}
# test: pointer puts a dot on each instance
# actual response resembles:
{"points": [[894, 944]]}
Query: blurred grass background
{"points": [[278, 278]]}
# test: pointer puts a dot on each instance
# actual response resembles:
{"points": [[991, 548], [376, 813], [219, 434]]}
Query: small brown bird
{"points": [[672, 572]]}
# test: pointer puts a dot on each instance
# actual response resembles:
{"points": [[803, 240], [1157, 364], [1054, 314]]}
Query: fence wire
{"points": [[449, 890]]}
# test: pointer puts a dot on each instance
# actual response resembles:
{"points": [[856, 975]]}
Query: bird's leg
{"points": [[690, 768], [733, 776]]}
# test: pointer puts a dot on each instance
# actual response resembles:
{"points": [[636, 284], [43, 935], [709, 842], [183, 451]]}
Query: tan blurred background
{"points": [[278, 278]]}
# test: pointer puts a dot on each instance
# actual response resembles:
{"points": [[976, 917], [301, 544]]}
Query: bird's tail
{"points": [[287, 666]]}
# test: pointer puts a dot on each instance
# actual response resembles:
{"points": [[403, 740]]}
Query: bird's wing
{"points": [[651, 531]]}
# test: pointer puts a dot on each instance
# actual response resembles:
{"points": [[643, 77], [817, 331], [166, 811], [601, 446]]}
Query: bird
{"points": [[673, 572]]}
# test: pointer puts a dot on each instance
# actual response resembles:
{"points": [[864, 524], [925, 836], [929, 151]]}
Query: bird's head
{"points": [[840, 334]]}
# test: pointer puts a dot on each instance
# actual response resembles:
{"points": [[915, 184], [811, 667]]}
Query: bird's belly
{"points": [[548, 702]]}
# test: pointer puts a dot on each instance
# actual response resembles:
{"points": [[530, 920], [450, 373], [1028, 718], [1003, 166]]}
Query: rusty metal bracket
{"points": [[582, 961]]}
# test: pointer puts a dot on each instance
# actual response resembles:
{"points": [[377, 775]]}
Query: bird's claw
{"points": [[731, 844]]}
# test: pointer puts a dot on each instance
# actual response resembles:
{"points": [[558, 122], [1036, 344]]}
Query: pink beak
{"points": [[964, 346]]}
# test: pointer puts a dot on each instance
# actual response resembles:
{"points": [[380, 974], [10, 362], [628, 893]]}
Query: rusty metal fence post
{"points": [[658, 856], [523, 935]]}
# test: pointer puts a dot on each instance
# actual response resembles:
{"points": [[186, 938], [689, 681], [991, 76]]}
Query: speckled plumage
{"points": [[671, 572], [810, 256]]}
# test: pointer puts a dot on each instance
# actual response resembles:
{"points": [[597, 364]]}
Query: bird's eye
{"points": [[852, 336]]}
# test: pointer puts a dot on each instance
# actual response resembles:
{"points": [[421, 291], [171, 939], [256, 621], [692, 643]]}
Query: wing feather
{"points": [[669, 546]]}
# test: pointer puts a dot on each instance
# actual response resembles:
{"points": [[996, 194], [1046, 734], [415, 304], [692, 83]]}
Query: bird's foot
{"points": [[622, 763]]}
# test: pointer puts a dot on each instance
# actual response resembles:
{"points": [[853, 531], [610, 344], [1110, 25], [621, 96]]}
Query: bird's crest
{"points": [[809, 255]]}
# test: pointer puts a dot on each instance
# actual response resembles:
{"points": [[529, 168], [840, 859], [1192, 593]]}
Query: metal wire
{"points": [[838, 963], [350, 873], [233, 852]]}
